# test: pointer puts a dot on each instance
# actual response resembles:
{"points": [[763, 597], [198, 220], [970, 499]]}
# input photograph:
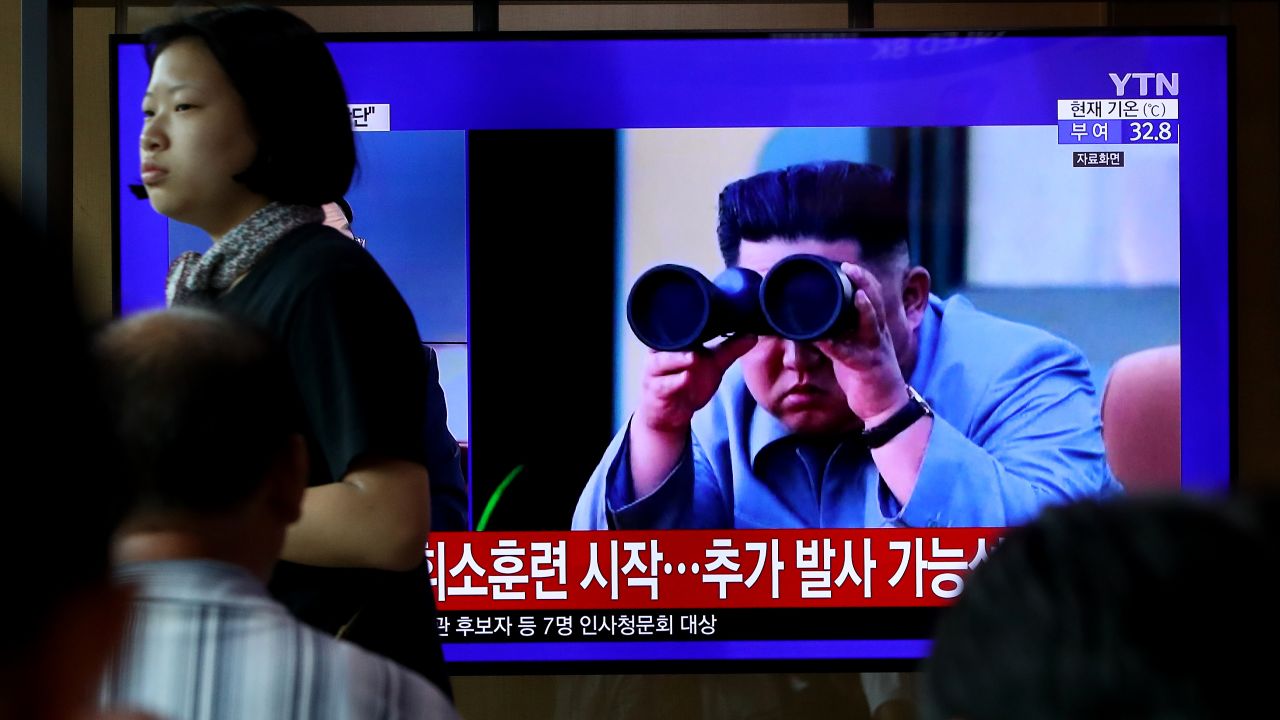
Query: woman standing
{"points": [[246, 135]]}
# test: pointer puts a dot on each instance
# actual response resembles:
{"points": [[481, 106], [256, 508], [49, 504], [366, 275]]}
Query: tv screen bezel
{"points": [[762, 665]]}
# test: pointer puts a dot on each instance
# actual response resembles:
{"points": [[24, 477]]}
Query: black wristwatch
{"points": [[916, 408]]}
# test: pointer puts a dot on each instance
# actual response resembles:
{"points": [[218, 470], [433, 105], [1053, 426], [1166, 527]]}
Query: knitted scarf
{"points": [[195, 279]]}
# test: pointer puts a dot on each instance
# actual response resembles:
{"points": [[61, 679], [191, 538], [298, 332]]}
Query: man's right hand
{"points": [[676, 385]]}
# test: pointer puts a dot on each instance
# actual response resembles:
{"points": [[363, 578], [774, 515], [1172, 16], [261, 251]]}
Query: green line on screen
{"points": [[495, 497]]}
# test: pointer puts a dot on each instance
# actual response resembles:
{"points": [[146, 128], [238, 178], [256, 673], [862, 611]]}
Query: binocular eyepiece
{"points": [[804, 297]]}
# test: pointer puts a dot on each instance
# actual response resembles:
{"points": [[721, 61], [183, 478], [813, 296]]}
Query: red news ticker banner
{"points": [[887, 567]]}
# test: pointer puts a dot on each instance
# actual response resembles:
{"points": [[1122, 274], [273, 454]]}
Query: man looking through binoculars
{"points": [[923, 412]]}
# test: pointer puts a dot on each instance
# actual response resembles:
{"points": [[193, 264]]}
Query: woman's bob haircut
{"points": [[291, 90]]}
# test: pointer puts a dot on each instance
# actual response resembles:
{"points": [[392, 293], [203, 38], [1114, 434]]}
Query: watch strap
{"points": [[905, 416]]}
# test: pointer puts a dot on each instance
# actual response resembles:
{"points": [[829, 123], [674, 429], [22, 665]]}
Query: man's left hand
{"points": [[864, 359]]}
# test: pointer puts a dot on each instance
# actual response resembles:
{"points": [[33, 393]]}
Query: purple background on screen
{"points": [[691, 650]]}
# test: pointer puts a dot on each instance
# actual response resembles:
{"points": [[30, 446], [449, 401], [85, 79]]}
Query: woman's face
{"points": [[196, 137]]}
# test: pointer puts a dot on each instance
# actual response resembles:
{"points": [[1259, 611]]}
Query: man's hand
{"points": [[866, 366], [864, 359], [676, 385]]}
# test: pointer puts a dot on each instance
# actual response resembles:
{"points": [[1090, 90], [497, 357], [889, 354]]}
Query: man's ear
{"points": [[915, 295], [287, 478]]}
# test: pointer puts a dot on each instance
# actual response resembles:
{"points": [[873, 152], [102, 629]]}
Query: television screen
{"points": [[689, 507]]}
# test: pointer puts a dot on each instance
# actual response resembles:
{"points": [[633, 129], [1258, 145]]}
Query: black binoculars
{"points": [[803, 297]]}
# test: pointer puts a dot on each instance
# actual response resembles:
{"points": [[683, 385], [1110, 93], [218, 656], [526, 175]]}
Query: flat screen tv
{"points": [[515, 187]]}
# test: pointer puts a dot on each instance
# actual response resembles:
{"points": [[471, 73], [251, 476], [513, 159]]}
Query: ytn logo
{"points": [[1163, 83]]}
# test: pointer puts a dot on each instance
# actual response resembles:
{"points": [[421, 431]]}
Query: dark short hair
{"points": [[291, 90], [201, 405], [829, 201], [1134, 608]]}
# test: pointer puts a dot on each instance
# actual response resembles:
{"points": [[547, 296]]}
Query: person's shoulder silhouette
{"points": [[1132, 607]]}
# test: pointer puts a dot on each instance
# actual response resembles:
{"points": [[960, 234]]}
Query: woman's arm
{"points": [[361, 375], [378, 516]]}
